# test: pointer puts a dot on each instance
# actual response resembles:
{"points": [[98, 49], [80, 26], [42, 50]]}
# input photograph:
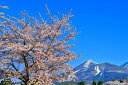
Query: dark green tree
{"points": [[94, 83], [81, 83], [100, 83], [6, 81], [122, 80], [2, 82]]}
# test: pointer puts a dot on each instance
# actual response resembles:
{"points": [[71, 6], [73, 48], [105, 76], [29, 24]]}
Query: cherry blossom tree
{"points": [[36, 51], [2, 20], [2, 15]]}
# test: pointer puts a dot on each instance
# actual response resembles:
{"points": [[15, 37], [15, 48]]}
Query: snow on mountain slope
{"points": [[97, 70], [76, 71]]}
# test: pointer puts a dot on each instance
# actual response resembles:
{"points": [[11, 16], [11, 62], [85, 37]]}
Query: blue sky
{"points": [[103, 25]]}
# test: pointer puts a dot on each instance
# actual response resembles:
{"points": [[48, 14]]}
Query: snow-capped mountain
{"points": [[90, 70], [84, 66]]}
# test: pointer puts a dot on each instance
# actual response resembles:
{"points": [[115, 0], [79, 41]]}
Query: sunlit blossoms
{"points": [[35, 51]]}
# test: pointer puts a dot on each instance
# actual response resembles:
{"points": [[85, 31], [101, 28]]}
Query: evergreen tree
{"points": [[122, 80], [2, 82], [6, 81], [81, 83], [100, 83], [94, 83]]}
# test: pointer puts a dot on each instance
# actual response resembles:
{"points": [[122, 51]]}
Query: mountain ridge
{"points": [[89, 71]]}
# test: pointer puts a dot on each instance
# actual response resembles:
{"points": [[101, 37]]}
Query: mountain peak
{"points": [[85, 65], [125, 65], [88, 62]]}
